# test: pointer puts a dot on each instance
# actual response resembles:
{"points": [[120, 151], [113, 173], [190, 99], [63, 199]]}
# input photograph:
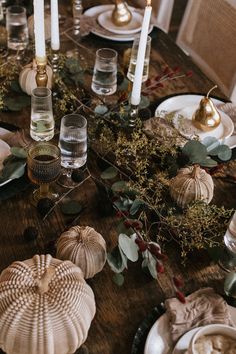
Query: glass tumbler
{"points": [[17, 29], [42, 121], [104, 81], [44, 167], [133, 59], [73, 146]]}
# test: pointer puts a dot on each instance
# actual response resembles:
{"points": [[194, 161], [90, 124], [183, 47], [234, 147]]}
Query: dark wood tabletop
{"points": [[120, 310]]}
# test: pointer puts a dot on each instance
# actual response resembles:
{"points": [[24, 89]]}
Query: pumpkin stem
{"points": [[43, 283], [195, 172]]}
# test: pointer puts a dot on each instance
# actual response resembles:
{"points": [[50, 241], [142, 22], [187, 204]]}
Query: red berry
{"points": [[180, 296], [176, 69], [142, 245], [166, 70], [179, 283], [153, 248], [189, 73], [127, 224], [119, 214], [159, 267]]}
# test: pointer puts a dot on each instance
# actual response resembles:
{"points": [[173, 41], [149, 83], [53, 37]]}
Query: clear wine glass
{"points": [[73, 146], [133, 59], [44, 167], [228, 257]]}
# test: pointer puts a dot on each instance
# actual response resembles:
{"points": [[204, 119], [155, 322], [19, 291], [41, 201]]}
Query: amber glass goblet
{"points": [[44, 167]]}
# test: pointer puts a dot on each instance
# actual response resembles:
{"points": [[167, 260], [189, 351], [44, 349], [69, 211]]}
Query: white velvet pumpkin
{"points": [[27, 77], [46, 307], [85, 247], [191, 183]]}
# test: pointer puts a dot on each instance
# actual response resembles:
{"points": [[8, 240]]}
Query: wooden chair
{"points": [[161, 12], [208, 34]]}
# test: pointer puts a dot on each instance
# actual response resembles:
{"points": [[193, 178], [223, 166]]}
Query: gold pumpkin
{"points": [[191, 183], [46, 307], [83, 246], [27, 77]]}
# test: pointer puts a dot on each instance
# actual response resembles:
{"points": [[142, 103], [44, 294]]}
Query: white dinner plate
{"points": [[135, 25], [183, 123], [96, 11], [176, 103], [4, 152], [159, 338]]}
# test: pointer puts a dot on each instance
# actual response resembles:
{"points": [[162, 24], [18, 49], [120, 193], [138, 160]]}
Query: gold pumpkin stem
{"points": [[43, 283], [213, 88]]}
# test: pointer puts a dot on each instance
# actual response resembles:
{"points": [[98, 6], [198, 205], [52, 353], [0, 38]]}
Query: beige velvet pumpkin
{"points": [[85, 247], [27, 77], [46, 307], [47, 26], [191, 183]]}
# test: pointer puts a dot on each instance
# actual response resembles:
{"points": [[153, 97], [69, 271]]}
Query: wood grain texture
{"points": [[119, 310]]}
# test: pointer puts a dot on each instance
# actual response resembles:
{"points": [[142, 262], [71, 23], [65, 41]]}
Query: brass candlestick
{"points": [[133, 115], [121, 15], [41, 76], [55, 60]]}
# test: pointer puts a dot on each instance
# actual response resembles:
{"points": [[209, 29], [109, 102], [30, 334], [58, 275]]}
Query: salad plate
{"points": [[159, 339], [99, 31], [135, 25]]}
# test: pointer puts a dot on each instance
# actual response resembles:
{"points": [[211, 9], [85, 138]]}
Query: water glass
{"points": [[73, 146], [44, 167], [42, 121], [104, 81], [133, 59], [17, 29]]}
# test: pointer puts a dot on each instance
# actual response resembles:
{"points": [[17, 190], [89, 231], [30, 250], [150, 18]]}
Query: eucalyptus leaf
{"points": [[207, 162], [71, 207], [101, 109], [21, 153], [115, 261], [124, 258], [120, 205], [124, 85], [136, 206], [122, 229], [73, 65], [144, 103], [211, 143], [109, 173], [119, 186], [129, 247], [195, 150], [16, 104], [118, 279], [12, 170], [230, 284], [152, 265], [224, 153]]}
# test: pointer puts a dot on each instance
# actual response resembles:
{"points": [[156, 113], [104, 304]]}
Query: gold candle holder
{"points": [[41, 76], [133, 115], [55, 60]]}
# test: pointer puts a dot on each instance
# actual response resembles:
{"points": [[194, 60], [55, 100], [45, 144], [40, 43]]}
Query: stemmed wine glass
{"points": [[73, 146], [44, 167]]}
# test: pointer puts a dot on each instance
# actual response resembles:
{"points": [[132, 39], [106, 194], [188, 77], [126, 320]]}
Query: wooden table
{"points": [[119, 309]]}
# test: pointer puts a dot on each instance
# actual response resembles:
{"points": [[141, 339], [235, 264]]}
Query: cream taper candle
{"points": [[39, 32], [55, 39], [137, 84]]}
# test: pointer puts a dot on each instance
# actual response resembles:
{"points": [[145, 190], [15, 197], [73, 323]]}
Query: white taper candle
{"points": [[55, 39], [39, 32], [137, 84]]}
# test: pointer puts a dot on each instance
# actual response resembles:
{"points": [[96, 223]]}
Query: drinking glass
{"points": [[42, 122], [17, 29], [73, 146], [133, 59], [44, 167], [228, 257], [104, 81]]}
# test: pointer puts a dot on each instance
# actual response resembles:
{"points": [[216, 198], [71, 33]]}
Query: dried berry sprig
{"points": [[178, 285]]}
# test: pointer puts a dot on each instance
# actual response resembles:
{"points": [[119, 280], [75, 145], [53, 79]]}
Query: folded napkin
{"points": [[202, 307]]}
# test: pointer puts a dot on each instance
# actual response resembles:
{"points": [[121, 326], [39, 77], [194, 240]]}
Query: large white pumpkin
{"points": [[46, 307]]}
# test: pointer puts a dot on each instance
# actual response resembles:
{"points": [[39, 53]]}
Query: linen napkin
{"points": [[202, 307]]}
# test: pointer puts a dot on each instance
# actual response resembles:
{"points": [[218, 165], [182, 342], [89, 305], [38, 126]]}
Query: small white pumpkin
{"points": [[46, 307], [191, 183], [85, 247], [27, 77], [47, 26]]}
